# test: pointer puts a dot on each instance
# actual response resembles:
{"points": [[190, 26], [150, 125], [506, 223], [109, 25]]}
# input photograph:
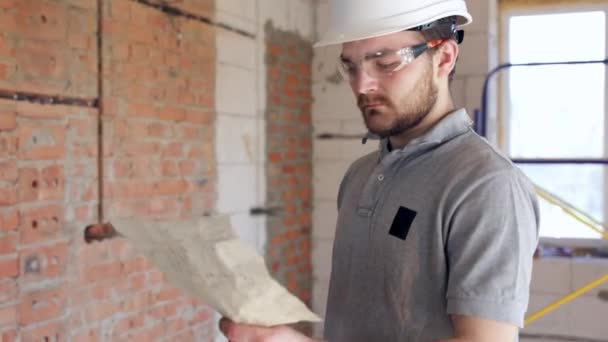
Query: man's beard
{"points": [[409, 113]]}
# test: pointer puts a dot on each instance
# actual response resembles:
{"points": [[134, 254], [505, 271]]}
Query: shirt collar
{"points": [[452, 125]]}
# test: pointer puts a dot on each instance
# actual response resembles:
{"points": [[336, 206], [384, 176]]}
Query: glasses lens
{"points": [[347, 69], [379, 65], [384, 64]]}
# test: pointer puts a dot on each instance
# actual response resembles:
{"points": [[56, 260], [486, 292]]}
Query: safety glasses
{"points": [[384, 62]]}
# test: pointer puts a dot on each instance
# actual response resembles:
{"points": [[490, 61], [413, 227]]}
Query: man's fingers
{"points": [[236, 332], [241, 332], [225, 325]]}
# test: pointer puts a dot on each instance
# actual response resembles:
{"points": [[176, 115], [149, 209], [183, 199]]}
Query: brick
{"points": [[86, 128], [100, 310], [168, 294], [78, 40], [8, 316], [171, 113], [45, 262], [145, 168], [40, 59], [41, 305], [172, 150], [8, 291], [49, 331], [131, 322], [147, 334], [121, 168], [138, 281], [5, 50], [8, 195], [105, 271], [141, 148], [52, 181], [164, 311], [100, 292], [89, 335], [187, 168], [41, 141], [41, 223], [44, 184], [9, 267], [8, 243], [120, 51], [9, 220], [8, 170], [170, 187], [8, 120], [157, 130], [203, 118], [137, 302], [8, 145], [169, 168], [41, 20], [4, 72], [9, 335], [8, 22]]}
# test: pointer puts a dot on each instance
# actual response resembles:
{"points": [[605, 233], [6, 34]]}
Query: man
{"points": [[436, 230]]}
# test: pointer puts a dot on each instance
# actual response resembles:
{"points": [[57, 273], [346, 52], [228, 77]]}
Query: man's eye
{"points": [[387, 63], [349, 67]]}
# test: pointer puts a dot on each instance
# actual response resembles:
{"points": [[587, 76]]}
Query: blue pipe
{"points": [[484, 97], [560, 161]]}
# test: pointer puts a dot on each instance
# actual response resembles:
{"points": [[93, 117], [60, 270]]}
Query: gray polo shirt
{"points": [[446, 225]]}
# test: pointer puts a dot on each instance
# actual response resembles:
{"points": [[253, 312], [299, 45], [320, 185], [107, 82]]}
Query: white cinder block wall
{"points": [[241, 105], [334, 112], [584, 317]]}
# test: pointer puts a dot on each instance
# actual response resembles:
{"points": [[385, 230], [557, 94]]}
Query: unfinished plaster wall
{"points": [[263, 131]]}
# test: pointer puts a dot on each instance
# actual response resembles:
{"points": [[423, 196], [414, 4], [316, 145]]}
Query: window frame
{"points": [[505, 13]]}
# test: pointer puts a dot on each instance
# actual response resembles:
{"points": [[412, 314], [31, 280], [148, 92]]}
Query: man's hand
{"points": [[235, 332]]}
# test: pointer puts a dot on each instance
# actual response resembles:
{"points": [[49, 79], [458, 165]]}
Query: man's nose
{"points": [[362, 83]]}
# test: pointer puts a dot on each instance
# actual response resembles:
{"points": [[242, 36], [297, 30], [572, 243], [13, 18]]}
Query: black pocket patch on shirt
{"points": [[402, 222]]}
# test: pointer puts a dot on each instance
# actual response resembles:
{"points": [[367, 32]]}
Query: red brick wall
{"points": [[157, 114], [289, 154]]}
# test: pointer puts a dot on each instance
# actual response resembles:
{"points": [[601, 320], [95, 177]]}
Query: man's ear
{"points": [[445, 58]]}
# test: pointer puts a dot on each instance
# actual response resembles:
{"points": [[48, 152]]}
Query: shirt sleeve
{"points": [[492, 236]]}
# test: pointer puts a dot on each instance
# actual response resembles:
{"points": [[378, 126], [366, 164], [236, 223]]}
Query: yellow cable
{"points": [[566, 299], [570, 210], [562, 202]]}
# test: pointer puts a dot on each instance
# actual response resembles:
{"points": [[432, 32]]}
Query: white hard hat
{"points": [[352, 20]]}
